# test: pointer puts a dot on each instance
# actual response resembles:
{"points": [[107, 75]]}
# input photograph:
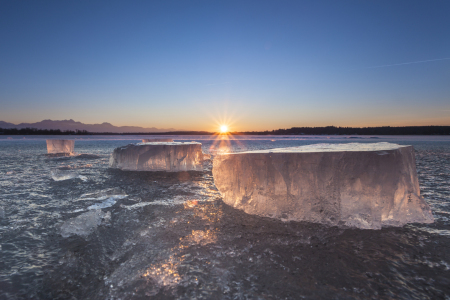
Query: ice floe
{"points": [[60, 175], [84, 224], [108, 197], [107, 203]]}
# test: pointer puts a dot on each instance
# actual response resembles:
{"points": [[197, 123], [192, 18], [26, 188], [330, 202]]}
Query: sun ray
{"points": [[223, 139]]}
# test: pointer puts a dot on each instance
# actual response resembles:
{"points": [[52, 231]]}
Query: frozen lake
{"points": [[72, 228]]}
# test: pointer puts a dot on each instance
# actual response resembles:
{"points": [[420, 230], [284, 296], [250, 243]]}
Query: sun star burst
{"points": [[224, 129]]}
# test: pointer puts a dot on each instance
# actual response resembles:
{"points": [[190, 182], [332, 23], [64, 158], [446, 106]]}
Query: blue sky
{"points": [[256, 65]]}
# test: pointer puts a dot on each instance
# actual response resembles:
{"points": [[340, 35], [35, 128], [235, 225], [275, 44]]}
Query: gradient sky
{"points": [[257, 65]]}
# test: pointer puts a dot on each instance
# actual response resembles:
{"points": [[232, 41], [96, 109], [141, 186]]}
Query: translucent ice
{"points": [[177, 200], [355, 185], [60, 175], [156, 140], [108, 197], [60, 146], [137, 205], [114, 193], [107, 203], [84, 224], [172, 157]]}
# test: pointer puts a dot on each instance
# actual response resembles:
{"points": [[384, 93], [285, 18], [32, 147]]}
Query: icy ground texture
{"points": [[356, 185], [60, 146], [172, 157], [84, 224], [173, 237], [157, 140]]}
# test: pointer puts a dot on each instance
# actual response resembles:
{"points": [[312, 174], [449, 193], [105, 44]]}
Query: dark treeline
{"points": [[385, 130], [174, 133], [34, 131], [329, 130]]}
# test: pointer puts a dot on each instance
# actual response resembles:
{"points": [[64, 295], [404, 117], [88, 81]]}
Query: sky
{"points": [[252, 65]]}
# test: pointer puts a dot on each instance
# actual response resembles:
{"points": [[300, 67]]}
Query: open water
{"points": [[72, 228]]}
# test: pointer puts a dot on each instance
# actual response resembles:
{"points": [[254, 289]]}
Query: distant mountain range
{"points": [[73, 125]]}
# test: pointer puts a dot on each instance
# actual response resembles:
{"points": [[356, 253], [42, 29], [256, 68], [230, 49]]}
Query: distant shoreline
{"points": [[329, 130]]}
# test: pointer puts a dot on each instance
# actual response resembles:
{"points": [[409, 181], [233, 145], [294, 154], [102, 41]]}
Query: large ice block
{"points": [[171, 157], [60, 146], [156, 140], [355, 185]]}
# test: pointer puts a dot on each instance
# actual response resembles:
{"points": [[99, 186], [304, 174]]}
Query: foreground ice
{"points": [[107, 203], [157, 140], [60, 146], [114, 193], [172, 157], [84, 224], [167, 202], [60, 175], [108, 197], [356, 185]]}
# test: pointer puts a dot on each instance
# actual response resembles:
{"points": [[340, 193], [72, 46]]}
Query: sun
{"points": [[223, 129]]}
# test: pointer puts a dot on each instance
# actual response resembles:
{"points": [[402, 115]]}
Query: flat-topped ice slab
{"points": [[158, 156], [156, 140], [356, 185], [352, 147], [60, 146]]}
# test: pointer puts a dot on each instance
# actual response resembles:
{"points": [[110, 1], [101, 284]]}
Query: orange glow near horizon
{"points": [[223, 129], [223, 139]]}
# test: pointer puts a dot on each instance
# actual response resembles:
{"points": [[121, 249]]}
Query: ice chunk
{"points": [[60, 146], [177, 200], [114, 193], [59, 175], [356, 185], [137, 205], [171, 157], [84, 224], [156, 140], [107, 203], [108, 197]]}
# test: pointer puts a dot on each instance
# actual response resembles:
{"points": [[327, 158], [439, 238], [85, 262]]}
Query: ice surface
{"points": [[348, 147], [108, 197], [84, 224], [171, 157], [60, 175], [355, 185], [114, 193], [178, 200], [251, 256], [156, 140], [137, 205], [60, 146], [107, 203]]}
